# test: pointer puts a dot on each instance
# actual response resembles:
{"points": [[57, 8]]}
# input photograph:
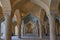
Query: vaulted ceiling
{"points": [[26, 6], [29, 5]]}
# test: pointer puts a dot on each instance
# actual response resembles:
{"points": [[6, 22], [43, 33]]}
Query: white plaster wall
{"points": [[3, 27], [16, 30]]}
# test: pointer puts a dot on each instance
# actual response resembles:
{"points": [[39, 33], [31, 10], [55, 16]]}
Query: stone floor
{"points": [[16, 38]]}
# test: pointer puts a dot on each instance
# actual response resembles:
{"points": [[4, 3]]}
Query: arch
{"points": [[19, 1], [50, 14], [42, 5], [29, 20]]}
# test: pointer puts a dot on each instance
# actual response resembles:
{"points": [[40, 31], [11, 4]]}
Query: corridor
{"points": [[29, 19]]}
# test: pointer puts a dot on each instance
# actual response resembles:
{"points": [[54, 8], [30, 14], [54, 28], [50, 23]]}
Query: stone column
{"points": [[8, 27], [19, 30], [13, 29], [40, 30], [35, 29], [52, 25], [19, 27], [52, 29], [18, 17], [42, 13], [22, 26]]}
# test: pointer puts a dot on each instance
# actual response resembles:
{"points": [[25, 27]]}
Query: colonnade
{"points": [[8, 22], [8, 29]]}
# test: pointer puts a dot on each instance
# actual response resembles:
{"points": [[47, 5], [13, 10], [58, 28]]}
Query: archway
{"points": [[50, 10], [30, 26]]}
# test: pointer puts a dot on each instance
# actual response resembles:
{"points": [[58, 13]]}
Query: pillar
{"points": [[19, 27], [13, 27], [8, 27], [18, 17], [22, 30], [52, 25], [42, 13], [40, 30], [19, 30], [13, 30]]}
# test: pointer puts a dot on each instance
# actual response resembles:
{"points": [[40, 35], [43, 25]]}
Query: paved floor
{"points": [[16, 38]]}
